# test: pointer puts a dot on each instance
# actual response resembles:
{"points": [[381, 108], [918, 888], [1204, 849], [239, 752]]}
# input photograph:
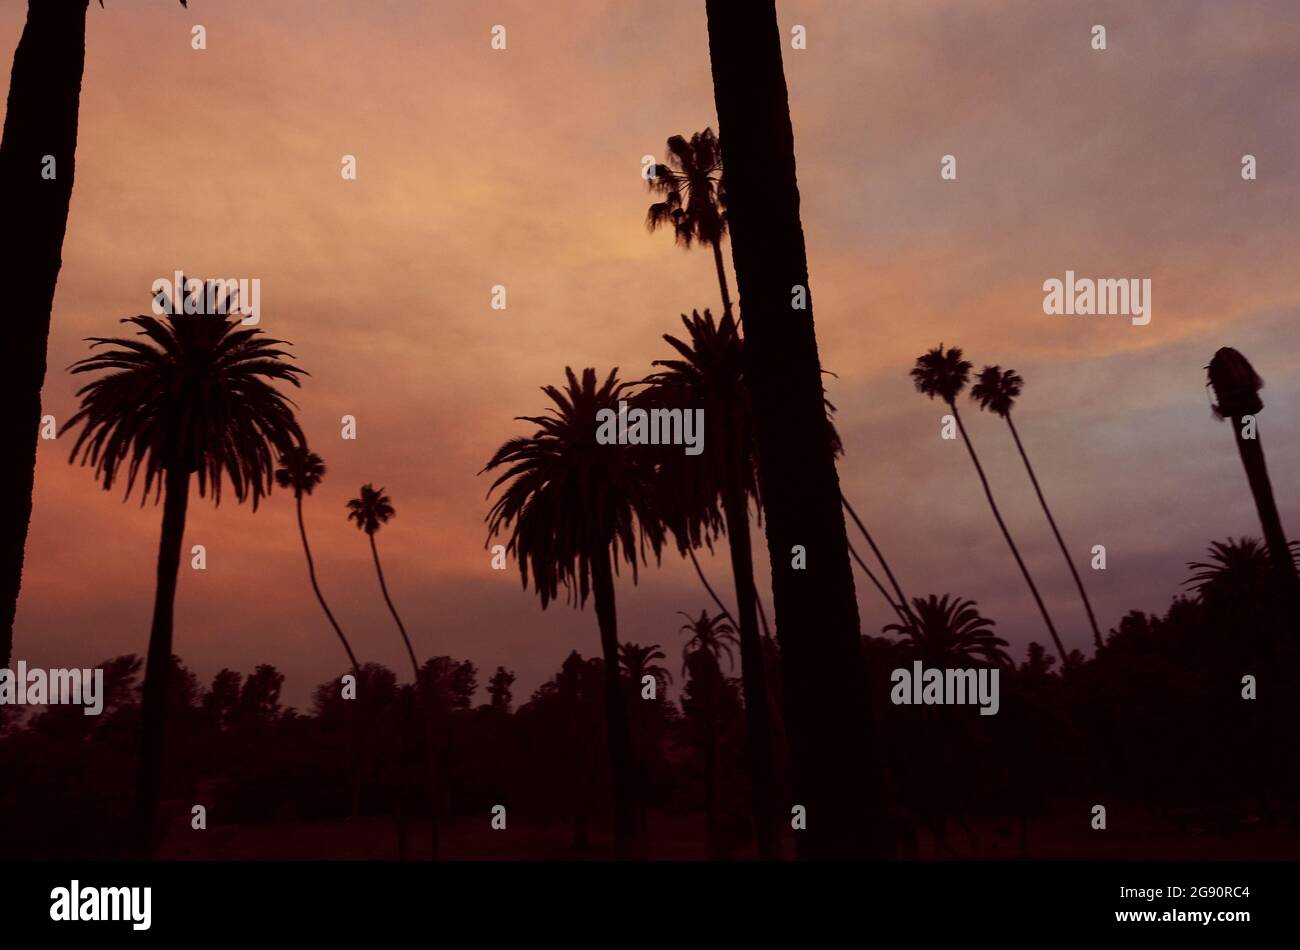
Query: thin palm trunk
{"points": [[41, 121], [1261, 488], [618, 735], [1065, 552], [722, 277], [753, 675], [836, 763], [1015, 551], [154, 697], [428, 711], [903, 602], [876, 581], [709, 587]]}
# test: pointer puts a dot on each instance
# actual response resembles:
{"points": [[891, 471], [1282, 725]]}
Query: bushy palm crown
{"points": [[194, 395], [300, 469], [712, 635], [691, 184], [638, 661], [1237, 571], [948, 631], [568, 499], [1235, 383], [996, 390], [370, 509], [941, 373]]}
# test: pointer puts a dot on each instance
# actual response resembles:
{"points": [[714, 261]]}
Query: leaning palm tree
{"points": [[302, 470], [1236, 386], [695, 200], [573, 508], [372, 509], [192, 400], [825, 679], [943, 374], [709, 376], [996, 391], [950, 632], [40, 125]]}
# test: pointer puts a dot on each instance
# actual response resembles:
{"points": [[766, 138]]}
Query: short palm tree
{"points": [[1238, 571], [950, 632], [191, 397], [574, 508], [302, 470], [943, 374], [1236, 388], [996, 391], [694, 199], [712, 635], [639, 661]]}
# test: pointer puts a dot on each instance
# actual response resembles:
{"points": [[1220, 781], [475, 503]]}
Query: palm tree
{"points": [[703, 702], [372, 509], [712, 635], [302, 470], [573, 508], [193, 399], [1238, 572], [638, 662], [695, 201], [943, 374], [826, 695], [950, 632], [41, 120], [709, 376], [996, 391], [1236, 386]]}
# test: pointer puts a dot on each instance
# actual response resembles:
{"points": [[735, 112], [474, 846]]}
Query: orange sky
{"points": [[522, 168]]}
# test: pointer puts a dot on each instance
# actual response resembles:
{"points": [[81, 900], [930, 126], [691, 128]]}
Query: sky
{"points": [[521, 167]]}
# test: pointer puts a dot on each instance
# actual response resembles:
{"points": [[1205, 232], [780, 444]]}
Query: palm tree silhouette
{"points": [[950, 632], [710, 638], [996, 391], [695, 201], [568, 504], [372, 509], [192, 399], [639, 661], [41, 120], [943, 374], [710, 376], [1236, 388], [712, 635], [829, 717], [1237, 572], [302, 470]]}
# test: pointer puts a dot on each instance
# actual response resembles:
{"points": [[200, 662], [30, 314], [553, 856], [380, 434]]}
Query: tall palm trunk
{"points": [[1261, 487], [753, 675], [722, 277], [154, 700], [618, 735], [709, 587], [432, 772], [352, 658], [836, 765], [44, 101], [904, 605], [1065, 552], [1015, 551]]}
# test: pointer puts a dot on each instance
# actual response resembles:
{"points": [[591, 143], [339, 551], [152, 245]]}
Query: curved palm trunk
{"points": [[1015, 551], [722, 277], [428, 712], [836, 765], [618, 734], [753, 676], [44, 102], [1065, 552], [1261, 487], [352, 658], [709, 587], [154, 699]]}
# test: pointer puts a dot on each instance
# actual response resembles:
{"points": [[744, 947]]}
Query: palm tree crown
{"points": [[691, 185], [195, 395], [996, 390], [713, 635], [638, 661], [942, 373], [1235, 383], [1237, 570], [949, 631], [370, 509], [301, 470]]}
